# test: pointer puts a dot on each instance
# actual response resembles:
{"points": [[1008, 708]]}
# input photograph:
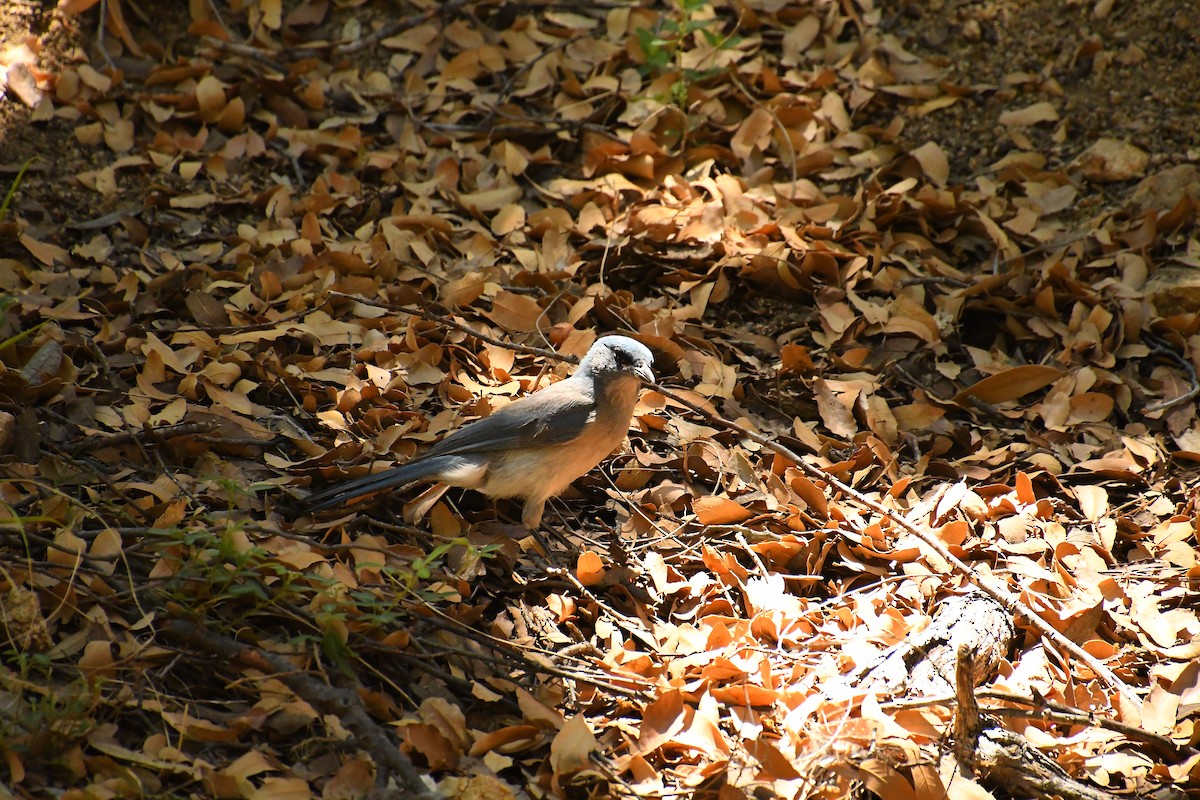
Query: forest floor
{"points": [[922, 281]]}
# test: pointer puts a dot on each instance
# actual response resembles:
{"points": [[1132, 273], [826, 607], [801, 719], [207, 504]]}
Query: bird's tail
{"points": [[394, 478]]}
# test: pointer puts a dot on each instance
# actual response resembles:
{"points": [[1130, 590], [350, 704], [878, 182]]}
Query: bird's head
{"points": [[618, 356]]}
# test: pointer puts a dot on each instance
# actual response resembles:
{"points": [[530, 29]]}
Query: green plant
{"points": [[214, 567], [12, 189], [664, 47], [42, 719]]}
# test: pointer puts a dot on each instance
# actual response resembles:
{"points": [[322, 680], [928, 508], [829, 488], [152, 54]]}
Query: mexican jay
{"points": [[534, 447]]}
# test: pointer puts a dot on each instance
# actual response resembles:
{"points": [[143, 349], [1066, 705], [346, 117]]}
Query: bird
{"points": [[535, 447]]}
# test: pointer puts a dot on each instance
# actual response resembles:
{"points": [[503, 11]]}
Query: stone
{"points": [[1112, 160]]}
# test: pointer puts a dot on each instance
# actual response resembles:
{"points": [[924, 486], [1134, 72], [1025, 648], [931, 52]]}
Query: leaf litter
{"points": [[306, 241]]}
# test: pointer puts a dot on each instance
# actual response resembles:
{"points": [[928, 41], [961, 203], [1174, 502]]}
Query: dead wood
{"points": [[962, 646], [344, 704]]}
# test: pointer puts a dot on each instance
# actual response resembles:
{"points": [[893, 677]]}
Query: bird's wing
{"points": [[555, 415]]}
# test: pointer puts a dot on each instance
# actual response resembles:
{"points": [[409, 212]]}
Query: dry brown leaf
{"points": [[517, 313], [1090, 407], [572, 746], [353, 780], [1030, 115], [715, 510], [835, 409], [490, 199], [589, 569], [19, 79], [1011, 384], [933, 162], [45, 252], [662, 720], [885, 781], [510, 737], [282, 789], [753, 134], [74, 7]]}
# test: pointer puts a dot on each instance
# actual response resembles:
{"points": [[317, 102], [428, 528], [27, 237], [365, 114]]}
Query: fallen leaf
{"points": [[1011, 384], [1030, 115]]}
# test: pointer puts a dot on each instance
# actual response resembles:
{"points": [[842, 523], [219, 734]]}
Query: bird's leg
{"points": [[531, 515], [531, 518]]}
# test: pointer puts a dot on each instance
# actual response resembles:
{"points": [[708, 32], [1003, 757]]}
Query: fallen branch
{"points": [[924, 663], [959, 650], [147, 433], [967, 722], [442, 319], [342, 703]]}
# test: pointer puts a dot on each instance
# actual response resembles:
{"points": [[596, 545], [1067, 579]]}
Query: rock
{"points": [[1174, 289], [1111, 160], [8, 424], [1163, 190]]}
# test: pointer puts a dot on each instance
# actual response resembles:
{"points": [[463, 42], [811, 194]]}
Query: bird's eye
{"points": [[622, 357]]}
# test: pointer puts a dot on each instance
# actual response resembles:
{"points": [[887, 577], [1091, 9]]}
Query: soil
{"points": [[1130, 72]]}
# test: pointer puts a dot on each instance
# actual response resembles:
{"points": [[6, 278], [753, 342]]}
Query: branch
{"points": [[372, 39], [342, 703], [449, 322]]}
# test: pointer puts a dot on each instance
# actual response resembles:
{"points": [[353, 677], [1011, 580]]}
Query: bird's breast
{"points": [[542, 472]]}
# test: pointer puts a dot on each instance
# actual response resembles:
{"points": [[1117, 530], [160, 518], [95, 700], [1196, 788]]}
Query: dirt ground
{"points": [[1130, 73]]}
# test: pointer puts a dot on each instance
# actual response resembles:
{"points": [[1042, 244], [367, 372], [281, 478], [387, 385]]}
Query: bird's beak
{"points": [[645, 373]]}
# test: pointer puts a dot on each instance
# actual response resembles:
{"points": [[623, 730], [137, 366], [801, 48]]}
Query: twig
{"points": [[1052, 712], [622, 621], [100, 35], [342, 703], [374, 38], [1160, 346], [1041, 248], [784, 133], [523, 654], [502, 97], [967, 723], [534, 127], [944, 280], [1186, 397], [96, 441], [1067, 716], [458, 326], [131, 509], [247, 51]]}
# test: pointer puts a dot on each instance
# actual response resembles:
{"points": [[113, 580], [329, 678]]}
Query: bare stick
{"points": [[342, 703]]}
